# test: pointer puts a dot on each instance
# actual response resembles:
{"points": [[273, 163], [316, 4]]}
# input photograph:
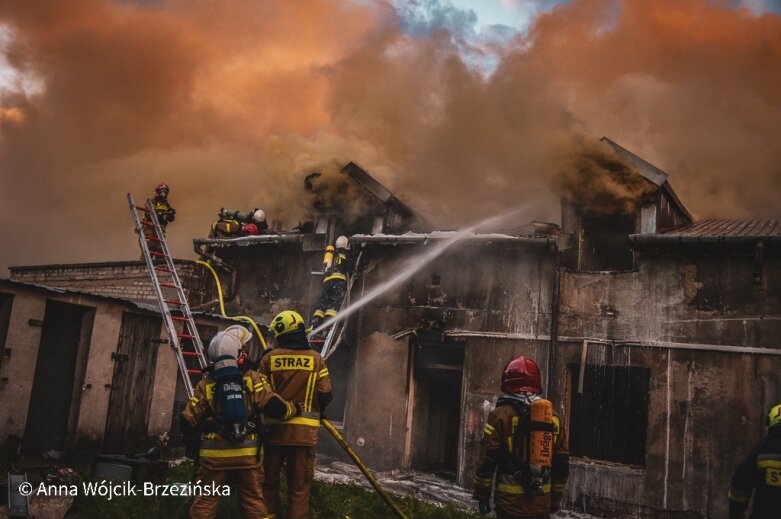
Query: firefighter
{"points": [[524, 448], [297, 373], [232, 224], [165, 215], [337, 266], [224, 412], [760, 472]]}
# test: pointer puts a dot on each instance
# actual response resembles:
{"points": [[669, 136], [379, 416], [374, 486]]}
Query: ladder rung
{"points": [[189, 354], [173, 317], [152, 253], [141, 209], [174, 302], [194, 371], [163, 269], [152, 238], [168, 285], [148, 224], [185, 336]]}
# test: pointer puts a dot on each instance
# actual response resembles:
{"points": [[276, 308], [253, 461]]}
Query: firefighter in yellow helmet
{"points": [[760, 473], [298, 374], [224, 411], [523, 452]]}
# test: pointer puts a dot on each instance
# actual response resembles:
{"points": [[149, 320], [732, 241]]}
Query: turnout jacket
{"points": [[298, 374], [509, 494], [165, 213], [759, 472], [216, 452], [341, 266]]}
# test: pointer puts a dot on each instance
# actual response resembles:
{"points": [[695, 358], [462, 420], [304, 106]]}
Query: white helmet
{"points": [[238, 331], [259, 215], [342, 242], [224, 344]]}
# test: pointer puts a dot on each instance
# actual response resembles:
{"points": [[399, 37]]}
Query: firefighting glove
{"points": [[484, 507]]}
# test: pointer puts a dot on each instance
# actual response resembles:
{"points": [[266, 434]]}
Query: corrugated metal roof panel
{"points": [[753, 227]]}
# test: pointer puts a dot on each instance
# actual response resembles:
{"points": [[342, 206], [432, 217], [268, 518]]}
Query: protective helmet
{"points": [[224, 344], [773, 416], [259, 216], [287, 322], [162, 187], [521, 375], [342, 242], [240, 332], [249, 229]]}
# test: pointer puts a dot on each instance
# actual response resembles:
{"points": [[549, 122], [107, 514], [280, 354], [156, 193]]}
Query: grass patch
{"points": [[329, 501]]}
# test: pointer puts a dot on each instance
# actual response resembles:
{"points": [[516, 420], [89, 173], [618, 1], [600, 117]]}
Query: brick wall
{"points": [[124, 279]]}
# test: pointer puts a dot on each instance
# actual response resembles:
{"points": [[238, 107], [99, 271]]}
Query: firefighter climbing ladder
{"points": [[335, 332], [170, 295]]}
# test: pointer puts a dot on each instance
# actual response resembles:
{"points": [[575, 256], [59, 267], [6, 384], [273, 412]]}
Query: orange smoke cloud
{"points": [[234, 102]]}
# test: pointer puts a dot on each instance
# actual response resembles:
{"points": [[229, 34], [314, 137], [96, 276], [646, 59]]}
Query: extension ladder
{"points": [[170, 295]]}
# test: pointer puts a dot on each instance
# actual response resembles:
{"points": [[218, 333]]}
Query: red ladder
{"points": [[170, 295]]}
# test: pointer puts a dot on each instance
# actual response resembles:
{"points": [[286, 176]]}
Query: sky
{"points": [[463, 109]]}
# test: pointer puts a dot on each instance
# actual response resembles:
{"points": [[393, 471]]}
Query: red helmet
{"points": [[521, 375], [249, 229], [160, 187]]}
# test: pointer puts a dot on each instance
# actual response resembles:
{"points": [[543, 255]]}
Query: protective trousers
{"points": [[248, 484], [300, 472]]}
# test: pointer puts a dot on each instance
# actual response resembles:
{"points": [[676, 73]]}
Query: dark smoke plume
{"points": [[234, 102]]}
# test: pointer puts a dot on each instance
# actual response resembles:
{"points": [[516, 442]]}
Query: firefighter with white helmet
{"points": [[298, 374], [224, 415], [232, 223], [337, 266], [524, 448]]}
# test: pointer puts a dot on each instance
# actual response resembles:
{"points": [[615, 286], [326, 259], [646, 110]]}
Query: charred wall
{"points": [[709, 333]]}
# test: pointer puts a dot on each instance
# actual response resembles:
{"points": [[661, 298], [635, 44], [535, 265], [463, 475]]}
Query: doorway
{"points": [[59, 374], [131, 385], [435, 398]]}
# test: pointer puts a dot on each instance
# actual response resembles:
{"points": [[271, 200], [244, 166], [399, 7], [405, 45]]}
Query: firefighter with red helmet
{"points": [[165, 215], [523, 453], [760, 474]]}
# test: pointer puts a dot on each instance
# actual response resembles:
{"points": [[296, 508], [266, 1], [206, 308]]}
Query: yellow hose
{"points": [[222, 306], [366, 472]]}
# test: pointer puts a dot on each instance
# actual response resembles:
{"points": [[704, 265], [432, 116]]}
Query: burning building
{"points": [[657, 335]]}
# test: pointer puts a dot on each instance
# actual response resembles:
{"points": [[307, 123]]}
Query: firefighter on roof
{"points": [[523, 452], [299, 374], [760, 473], [224, 414], [337, 266], [232, 224]]}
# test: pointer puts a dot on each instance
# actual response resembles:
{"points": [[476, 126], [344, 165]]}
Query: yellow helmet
{"points": [[287, 322], [773, 416]]}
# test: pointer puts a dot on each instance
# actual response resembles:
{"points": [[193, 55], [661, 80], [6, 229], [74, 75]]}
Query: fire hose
{"points": [[243, 318], [325, 423]]}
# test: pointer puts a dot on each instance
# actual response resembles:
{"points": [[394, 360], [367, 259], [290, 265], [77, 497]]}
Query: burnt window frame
{"points": [[602, 432]]}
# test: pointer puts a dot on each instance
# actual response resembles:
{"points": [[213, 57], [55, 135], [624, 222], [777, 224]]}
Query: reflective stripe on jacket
{"points": [[215, 450], [298, 375], [510, 495]]}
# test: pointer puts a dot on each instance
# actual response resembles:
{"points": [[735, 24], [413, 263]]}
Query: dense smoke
{"points": [[234, 102]]}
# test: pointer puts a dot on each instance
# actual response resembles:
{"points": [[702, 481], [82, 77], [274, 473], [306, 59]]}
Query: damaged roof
{"points": [[415, 237], [713, 230], [251, 240], [650, 172]]}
